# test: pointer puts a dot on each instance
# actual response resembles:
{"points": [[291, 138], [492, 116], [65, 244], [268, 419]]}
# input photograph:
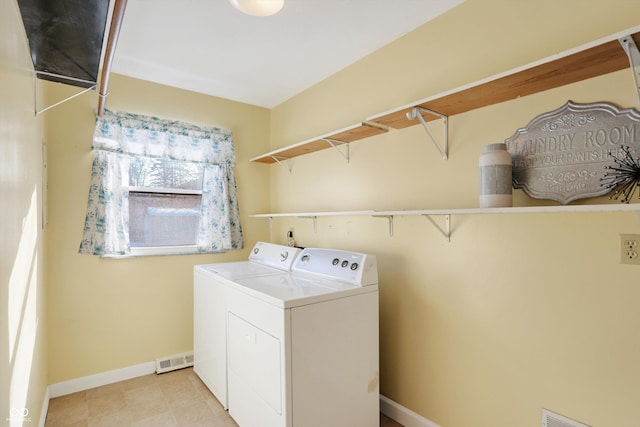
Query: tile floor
{"points": [[174, 399]]}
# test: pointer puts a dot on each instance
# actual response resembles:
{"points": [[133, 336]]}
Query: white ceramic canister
{"points": [[495, 176]]}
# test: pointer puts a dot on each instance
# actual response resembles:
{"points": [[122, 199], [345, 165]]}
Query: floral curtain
{"points": [[219, 215], [120, 136]]}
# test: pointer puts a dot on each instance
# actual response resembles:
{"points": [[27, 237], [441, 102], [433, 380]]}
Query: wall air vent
{"points": [[550, 419], [172, 363]]}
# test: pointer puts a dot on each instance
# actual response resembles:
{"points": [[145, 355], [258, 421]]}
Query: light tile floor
{"points": [[174, 399]]}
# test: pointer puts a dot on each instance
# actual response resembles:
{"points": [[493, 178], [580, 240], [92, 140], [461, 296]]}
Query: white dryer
{"points": [[303, 346], [265, 258], [210, 318]]}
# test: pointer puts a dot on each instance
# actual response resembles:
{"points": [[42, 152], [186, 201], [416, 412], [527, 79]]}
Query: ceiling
{"points": [[207, 46]]}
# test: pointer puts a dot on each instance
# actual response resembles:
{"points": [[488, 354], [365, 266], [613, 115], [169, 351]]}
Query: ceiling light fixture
{"points": [[258, 7]]}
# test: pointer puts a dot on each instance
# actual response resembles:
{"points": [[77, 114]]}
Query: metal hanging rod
{"points": [[119, 8], [416, 113], [60, 76]]}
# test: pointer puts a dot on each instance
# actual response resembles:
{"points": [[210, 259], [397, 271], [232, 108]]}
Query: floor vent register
{"points": [[173, 363], [550, 419]]}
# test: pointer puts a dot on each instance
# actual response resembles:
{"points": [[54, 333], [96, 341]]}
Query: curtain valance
{"points": [[139, 135]]}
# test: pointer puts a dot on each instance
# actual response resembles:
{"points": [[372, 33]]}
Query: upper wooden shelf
{"points": [[591, 60], [342, 136], [568, 67]]}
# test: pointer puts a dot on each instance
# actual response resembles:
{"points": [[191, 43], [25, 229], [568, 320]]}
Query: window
{"points": [[160, 187]]}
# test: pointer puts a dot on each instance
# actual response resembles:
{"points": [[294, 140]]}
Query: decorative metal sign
{"points": [[562, 155]]}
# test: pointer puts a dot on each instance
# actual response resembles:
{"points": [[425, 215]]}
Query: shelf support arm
{"points": [[280, 159], [69, 98], [632, 52], [336, 144], [446, 230], [389, 219], [416, 113], [315, 222]]}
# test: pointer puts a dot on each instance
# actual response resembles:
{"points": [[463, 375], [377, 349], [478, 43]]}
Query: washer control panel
{"points": [[353, 267]]}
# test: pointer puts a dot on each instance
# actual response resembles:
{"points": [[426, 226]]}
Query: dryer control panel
{"points": [[277, 256]]}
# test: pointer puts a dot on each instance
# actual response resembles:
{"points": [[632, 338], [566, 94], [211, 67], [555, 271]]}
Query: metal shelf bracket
{"points": [[446, 230], [416, 113], [280, 160], [632, 52], [315, 222], [337, 144], [390, 221]]}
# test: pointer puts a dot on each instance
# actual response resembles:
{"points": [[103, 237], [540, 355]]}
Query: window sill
{"points": [[159, 251]]}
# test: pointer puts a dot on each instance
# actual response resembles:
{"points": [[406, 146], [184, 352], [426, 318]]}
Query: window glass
{"points": [[164, 202], [159, 173]]}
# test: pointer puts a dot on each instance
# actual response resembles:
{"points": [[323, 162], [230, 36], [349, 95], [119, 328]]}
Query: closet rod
{"points": [[114, 31]]}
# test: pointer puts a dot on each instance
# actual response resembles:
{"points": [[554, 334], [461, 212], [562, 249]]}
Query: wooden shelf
{"points": [[618, 207], [591, 60], [556, 71], [342, 136], [594, 59], [445, 229]]}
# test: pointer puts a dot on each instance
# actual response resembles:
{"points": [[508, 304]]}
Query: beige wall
{"points": [[108, 314], [23, 350], [517, 312]]}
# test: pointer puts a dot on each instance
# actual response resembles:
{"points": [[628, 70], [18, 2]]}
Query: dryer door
{"points": [[255, 378]]}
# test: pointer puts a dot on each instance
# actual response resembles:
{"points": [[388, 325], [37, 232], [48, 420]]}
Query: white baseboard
{"points": [[97, 380], [403, 415], [391, 409], [45, 408]]}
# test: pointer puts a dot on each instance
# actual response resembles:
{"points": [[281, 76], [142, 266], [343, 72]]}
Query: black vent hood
{"points": [[65, 38]]}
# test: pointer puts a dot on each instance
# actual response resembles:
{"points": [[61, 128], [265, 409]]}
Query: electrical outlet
{"points": [[630, 249]]}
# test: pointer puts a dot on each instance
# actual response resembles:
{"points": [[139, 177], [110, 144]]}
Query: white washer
{"points": [[210, 319], [303, 346]]}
